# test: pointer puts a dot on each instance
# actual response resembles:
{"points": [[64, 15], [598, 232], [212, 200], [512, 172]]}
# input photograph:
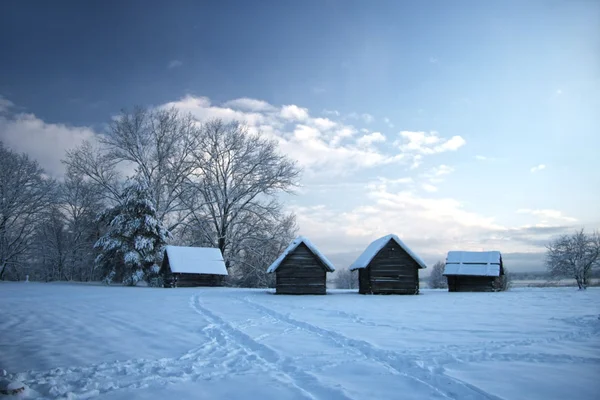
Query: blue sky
{"points": [[497, 101]]}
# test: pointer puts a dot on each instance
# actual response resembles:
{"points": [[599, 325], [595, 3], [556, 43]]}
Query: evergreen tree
{"points": [[129, 251]]}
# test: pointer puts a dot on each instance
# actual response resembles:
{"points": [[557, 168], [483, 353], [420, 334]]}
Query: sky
{"points": [[461, 125]]}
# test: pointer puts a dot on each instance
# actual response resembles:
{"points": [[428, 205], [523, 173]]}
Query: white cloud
{"points": [[331, 112], [442, 170], [324, 123], [174, 64], [318, 144], [433, 60], [547, 214], [368, 118], [417, 160], [44, 142], [435, 174], [538, 168], [248, 104], [559, 92], [481, 158], [5, 104], [369, 139], [428, 143], [404, 180], [416, 219], [365, 117], [203, 109], [388, 122], [294, 113], [429, 188]]}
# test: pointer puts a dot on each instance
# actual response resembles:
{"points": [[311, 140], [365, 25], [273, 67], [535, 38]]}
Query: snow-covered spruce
{"points": [[135, 238]]}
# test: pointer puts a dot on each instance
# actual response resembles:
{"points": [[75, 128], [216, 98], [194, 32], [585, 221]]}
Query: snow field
{"points": [[81, 341]]}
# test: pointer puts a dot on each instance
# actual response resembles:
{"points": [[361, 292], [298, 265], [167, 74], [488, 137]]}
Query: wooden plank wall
{"points": [[392, 271], [194, 280], [364, 281], [468, 283], [301, 273]]}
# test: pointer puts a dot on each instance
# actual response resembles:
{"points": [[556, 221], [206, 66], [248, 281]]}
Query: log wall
{"points": [[301, 273], [392, 271], [469, 283]]}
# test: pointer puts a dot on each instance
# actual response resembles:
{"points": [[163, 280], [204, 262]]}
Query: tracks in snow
{"points": [[396, 363], [283, 368]]}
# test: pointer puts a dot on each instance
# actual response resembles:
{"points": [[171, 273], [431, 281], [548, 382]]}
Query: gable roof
{"points": [[196, 260], [293, 245], [371, 251], [475, 263]]}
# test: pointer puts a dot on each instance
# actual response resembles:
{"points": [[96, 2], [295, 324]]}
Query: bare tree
{"points": [[436, 279], [235, 179], [154, 147], [256, 246], [346, 279], [79, 202], [574, 256], [24, 194]]}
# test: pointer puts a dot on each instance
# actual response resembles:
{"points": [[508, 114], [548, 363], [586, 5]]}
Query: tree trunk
{"points": [[2, 271]]}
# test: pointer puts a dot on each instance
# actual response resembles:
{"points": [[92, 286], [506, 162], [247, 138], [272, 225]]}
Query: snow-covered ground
{"points": [[85, 341]]}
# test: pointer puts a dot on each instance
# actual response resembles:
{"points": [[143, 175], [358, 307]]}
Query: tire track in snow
{"points": [[395, 362], [278, 365]]}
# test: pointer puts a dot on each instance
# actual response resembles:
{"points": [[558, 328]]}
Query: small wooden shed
{"points": [[301, 269], [192, 266], [474, 271], [388, 266]]}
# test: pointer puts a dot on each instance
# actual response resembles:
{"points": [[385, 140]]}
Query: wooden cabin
{"points": [[474, 271], [388, 266], [192, 266], [301, 269]]}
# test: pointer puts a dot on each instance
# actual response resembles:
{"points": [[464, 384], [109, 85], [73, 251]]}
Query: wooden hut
{"points": [[192, 266], [301, 269], [388, 266], [474, 271]]}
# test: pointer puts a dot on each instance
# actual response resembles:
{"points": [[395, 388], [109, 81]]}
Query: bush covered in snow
{"points": [[436, 279], [345, 279], [135, 239]]}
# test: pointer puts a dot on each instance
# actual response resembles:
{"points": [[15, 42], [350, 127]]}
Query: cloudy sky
{"points": [[456, 125]]}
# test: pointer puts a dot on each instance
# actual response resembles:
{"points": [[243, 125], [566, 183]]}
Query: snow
{"points": [[295, 243], [196, 260], [93, 341], [371, 251], [476, 263]]}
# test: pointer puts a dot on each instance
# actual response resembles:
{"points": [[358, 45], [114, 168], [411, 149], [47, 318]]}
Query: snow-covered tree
{"points": [[24, 195], [135, 239], [574, 256], [345, 279], [233, 187], [436, 279]]}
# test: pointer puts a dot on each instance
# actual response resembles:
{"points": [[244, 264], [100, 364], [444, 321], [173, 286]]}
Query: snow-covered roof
{"points": [[293, 245], [371, 251], [196, 260], [477, 263]]}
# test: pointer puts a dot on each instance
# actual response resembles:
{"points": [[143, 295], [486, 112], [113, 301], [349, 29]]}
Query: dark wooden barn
{"points": [[301, 269], [388, 266], [474, 271], [192, 266]]}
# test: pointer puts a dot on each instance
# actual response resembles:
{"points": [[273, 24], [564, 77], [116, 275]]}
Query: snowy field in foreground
{"points": [[82, 341]]}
